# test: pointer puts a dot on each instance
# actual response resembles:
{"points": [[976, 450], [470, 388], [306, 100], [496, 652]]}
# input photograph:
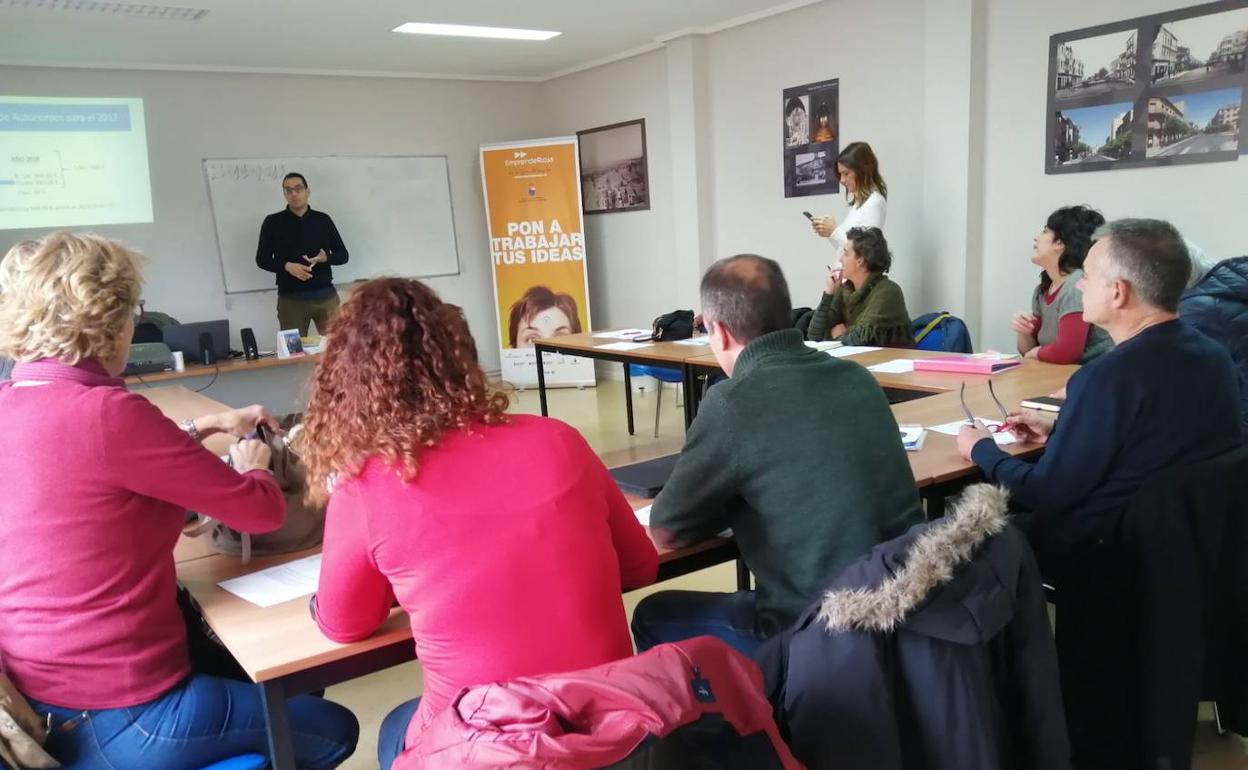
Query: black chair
{"points": [[1156, 621]]}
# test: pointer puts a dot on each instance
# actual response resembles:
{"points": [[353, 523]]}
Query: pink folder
{"points": [[965, 364]]}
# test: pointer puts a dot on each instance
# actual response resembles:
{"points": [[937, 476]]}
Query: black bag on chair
{"points": [[676, 325]]}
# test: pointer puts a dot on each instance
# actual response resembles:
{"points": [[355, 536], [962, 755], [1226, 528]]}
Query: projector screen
{"points": [[72, 162]]}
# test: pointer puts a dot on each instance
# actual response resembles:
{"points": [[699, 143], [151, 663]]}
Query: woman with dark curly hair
{"points": [[1055, 331], [502, 536], [860, 304]]}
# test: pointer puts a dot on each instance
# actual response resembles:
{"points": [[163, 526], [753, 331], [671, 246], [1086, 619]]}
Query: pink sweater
{"points": [[508, 551], [96, 485]]}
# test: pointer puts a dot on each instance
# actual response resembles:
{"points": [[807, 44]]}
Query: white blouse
{"points": [[869, 214]]}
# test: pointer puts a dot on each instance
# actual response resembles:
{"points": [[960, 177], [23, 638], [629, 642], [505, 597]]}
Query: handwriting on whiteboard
{"points": [[242, 171]]}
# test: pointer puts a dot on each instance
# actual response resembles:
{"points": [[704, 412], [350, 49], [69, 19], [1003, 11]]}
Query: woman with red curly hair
{"points": [[502, 536]]}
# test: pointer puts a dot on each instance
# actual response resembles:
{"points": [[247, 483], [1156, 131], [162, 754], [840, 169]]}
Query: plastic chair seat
{"points": [[245, 762], [661, 373]]}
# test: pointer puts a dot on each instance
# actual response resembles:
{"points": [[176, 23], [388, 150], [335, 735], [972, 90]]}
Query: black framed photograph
{"points": [[811, 136], [1155, 90], [615, 175]]}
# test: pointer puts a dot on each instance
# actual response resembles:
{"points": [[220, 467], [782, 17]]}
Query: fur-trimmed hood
{"points": [[930, 580]]}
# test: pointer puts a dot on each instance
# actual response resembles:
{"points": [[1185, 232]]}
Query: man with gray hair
{"points": [[1165, 395], [797, 453]]}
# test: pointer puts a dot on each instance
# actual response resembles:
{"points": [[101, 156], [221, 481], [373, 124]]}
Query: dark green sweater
{"points": [[799, 454]]}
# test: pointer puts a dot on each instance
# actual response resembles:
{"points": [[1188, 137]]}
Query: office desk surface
{"points": [[225, 368], [1031, 371], [658, 352]]}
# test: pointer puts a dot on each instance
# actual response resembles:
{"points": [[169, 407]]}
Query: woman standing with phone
{"points": [[865, 191]]}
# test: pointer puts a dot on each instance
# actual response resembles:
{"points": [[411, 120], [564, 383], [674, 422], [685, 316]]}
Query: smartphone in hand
{"points": [[808, 215]]}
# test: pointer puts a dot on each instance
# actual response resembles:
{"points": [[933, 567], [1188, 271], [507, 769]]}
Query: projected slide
{"points": [[72, 162]]}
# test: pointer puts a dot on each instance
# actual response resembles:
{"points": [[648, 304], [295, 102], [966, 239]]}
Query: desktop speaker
{"points": [[207, 354], [251, 351]]}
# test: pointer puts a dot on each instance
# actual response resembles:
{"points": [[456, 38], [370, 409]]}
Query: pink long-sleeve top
{"points": [[508, 550], [96, 485]]}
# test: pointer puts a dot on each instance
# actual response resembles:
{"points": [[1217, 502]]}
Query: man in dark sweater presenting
{"points": [[797, 452], [300, 245], [1164, 396]]}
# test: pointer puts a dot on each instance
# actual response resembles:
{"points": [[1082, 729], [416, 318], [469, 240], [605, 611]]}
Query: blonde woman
{"points": [[865, 191], [97, 484]]}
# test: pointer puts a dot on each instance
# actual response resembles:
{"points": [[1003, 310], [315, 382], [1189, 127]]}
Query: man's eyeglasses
{"points": [[292, 190], [970, 418]]}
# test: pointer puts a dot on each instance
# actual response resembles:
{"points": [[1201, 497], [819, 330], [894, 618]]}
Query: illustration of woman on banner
{"points": [[542, 313]]}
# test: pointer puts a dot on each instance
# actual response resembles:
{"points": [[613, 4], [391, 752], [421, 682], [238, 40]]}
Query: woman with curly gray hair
{"points": [[860, 305]]}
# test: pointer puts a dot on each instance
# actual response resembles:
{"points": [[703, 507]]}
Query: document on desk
{"points": [[896, 366], [850, 350], [643, 515], [277, 584], [694, 341], [622, 346], [952, 429], [623, 334]]}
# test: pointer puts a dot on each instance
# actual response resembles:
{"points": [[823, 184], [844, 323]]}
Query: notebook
{"points": [[644, 479], [1043, 403], [966, 364]]}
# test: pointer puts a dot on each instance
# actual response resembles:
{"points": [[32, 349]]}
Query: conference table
{"points": [[671, 355], [283, 652], [279, 647]]}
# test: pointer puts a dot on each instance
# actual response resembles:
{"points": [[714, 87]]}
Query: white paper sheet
{"points": [[277, 584], [623, 334], [622, 346], [643, 515], [896, 366], [823, 345], [851, 350], [952, 429], [695, 341]]}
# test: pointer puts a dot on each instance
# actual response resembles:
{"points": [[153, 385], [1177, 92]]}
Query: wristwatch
{"points": [[191, 430]]}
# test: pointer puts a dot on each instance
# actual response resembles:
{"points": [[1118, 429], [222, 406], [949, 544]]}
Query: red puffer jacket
{"points": [[697, 703]]}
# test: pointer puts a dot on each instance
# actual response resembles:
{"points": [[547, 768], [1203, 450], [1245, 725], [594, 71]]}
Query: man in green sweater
{"points": [[797, 452]]}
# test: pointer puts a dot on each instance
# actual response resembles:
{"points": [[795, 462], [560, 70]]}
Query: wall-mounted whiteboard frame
{"points": [[394, 213]]}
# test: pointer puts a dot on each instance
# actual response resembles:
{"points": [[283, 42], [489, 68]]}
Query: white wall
{"points": [[1205, 201], [191, 116], [628, 253], [875, 49]]}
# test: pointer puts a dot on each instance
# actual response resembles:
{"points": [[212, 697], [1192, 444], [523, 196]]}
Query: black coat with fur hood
{"points": [[932, 652]]}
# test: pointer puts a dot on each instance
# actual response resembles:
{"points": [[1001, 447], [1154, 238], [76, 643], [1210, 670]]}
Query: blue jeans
{"points": [[392, 738], [672, 616], [202, 720]]}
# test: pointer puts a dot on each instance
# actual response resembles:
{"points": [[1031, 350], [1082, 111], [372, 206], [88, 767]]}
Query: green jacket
{"points": [[798, 453], [875, 314]]}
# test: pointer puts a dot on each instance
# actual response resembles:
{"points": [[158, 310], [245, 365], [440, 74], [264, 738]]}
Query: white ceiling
{"points": [[332, 36]]}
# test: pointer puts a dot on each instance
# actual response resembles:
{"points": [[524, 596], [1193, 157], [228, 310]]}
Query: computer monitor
{"points": [[185, 337]]}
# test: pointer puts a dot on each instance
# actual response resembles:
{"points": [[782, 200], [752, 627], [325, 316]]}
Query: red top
{"points": [[97, 483], [1072, 336], [508, 551]]}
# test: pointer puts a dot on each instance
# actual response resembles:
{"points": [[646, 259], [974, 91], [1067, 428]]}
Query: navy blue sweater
{"points": [[1167, 396]]}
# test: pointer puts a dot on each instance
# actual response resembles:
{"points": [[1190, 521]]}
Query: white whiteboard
{"points": [[394, 214]]}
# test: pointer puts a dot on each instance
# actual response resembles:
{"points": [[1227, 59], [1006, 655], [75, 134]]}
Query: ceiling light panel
{"points": [[116, 10], [464, 30]]}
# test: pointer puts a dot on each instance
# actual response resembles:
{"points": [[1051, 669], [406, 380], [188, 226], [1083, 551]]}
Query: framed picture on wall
{"points": [[615, 174], [1155, 90], [811, 133]]}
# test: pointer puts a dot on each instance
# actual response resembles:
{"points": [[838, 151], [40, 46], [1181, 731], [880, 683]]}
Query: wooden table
{"points": [[586, 345], [280, 647], [232, 366]]}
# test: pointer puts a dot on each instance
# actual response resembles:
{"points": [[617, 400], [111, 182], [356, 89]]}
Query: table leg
{"points": [[541, 382], [690, 385], [743, 575], [628, 396], [281, 747]]}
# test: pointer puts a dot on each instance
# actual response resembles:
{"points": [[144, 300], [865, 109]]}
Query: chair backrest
{"points": [[942, 332]]}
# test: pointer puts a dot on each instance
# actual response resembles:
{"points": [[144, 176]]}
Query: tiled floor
{"points": [[599, 414]]}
